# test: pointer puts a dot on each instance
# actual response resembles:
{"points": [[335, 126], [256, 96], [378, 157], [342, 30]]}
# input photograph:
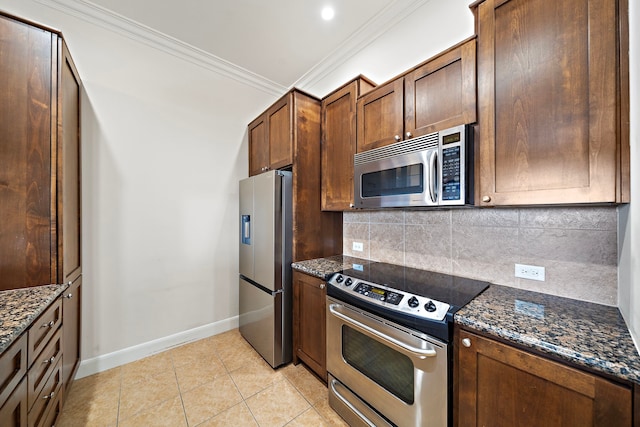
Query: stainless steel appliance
{"points": [[265, 265], [389, 344], [430, 170]]}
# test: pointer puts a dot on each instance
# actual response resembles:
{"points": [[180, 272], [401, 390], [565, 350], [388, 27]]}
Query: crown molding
{"points": [[133, 30], [382, 22]]}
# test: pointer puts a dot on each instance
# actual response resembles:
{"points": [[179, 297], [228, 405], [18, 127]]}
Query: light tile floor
{"points": [[218, 381]]}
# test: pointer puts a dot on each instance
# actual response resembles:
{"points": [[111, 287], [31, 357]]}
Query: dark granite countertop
{"points": [[587, 334], [20, 307], [325, 267]]}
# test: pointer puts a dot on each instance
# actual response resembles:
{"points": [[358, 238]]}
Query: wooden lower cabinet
{"points": [[499, 385], [13, 413], [71, 327], [309, 328]]}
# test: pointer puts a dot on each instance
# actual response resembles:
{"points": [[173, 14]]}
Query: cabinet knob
{"points": [[69, 295], [466, 342], [351, 205], [49, 396], [321, 285], [51, 360], [408, 134], [397, 138], [48, 325], [486, 199]]}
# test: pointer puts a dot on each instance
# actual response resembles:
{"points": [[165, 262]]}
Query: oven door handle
{"points": [[419, 352]]}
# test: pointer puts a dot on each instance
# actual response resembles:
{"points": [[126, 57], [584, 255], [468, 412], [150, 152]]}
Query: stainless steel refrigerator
{"points": [[265, 265]]}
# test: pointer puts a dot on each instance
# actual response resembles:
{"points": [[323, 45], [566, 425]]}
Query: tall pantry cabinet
{"points": [[40, 231]]}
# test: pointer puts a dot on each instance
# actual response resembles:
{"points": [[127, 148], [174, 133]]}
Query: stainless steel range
{"points": [[389, 351]]}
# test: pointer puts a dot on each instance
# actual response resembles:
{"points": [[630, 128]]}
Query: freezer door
{"points": [[267, 230], [246, 228], [261, 321]]}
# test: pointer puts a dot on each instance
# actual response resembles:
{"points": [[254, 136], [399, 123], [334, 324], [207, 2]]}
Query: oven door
{"points": [[400, 373]]}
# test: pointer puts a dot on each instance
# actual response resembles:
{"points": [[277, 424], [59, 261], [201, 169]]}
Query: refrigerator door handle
{"points": [[246, 229], [259, 286]]}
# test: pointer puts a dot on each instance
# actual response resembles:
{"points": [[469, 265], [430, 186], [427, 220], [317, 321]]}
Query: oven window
{"points": [[389, 182], [390, 369]]}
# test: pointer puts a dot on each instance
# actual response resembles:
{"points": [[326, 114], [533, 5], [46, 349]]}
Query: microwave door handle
{"points": [[433, 176]]}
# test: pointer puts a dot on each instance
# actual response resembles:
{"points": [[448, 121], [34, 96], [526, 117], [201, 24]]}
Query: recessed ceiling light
{"points": [[328, 13]]}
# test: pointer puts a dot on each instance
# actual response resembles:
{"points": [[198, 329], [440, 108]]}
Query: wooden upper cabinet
{"points": [[40, 157], [69, 172], [271, 137], [441, 93], [499, 385], [258, 145], [338, 115], [280, 131], [549, 92], [380, 116], [437, 94]]}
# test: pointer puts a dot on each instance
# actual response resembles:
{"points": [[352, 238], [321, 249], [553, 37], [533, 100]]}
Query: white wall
{"points": [[164, 145], [629, 216]]}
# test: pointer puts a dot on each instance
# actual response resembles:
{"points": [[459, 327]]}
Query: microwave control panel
{"points": [[452, 163]]}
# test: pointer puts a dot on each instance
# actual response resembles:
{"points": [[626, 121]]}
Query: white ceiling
{"points": [[279, 42]]}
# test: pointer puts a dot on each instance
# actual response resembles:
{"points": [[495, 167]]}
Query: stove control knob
{"points": [[339, 279], [430, 306], [348, 282], [413, 302]]}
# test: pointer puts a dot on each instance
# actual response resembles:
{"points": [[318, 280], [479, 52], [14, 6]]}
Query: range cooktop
{"points": [[419, 299]]}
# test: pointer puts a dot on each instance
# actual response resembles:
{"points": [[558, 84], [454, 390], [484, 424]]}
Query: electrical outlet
{"points": [[358, 246], [531, 272]]}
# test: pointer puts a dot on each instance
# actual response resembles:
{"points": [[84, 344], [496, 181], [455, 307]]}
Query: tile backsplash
{"points": [[577, 245]]}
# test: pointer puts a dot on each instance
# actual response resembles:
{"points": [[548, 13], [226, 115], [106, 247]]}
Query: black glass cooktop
{"points": [[453, 290]]}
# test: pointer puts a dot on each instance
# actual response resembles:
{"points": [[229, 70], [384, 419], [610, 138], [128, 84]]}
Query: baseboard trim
{"points": [[131, 354]]}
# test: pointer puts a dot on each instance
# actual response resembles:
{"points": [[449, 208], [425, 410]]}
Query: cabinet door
{"points": [[441, 93], [309, 295], [71, 327], [26, 242], [339, 144], [547, 92], [280, 133], [14, 411], [499, 385], [68, 172], [258, 146], [380, 116]]}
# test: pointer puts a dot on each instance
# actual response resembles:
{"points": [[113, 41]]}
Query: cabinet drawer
{"points": [[13, 413], [53, 411], [44, 365], [46, 399], [43, 329], [13, 366]]}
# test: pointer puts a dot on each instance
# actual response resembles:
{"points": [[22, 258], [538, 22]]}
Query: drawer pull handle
{"points": [[51, 360], [49, 396], [49, 325]]}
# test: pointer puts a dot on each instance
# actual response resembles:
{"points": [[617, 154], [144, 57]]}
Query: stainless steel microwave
{"points": [[430, 170]]}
